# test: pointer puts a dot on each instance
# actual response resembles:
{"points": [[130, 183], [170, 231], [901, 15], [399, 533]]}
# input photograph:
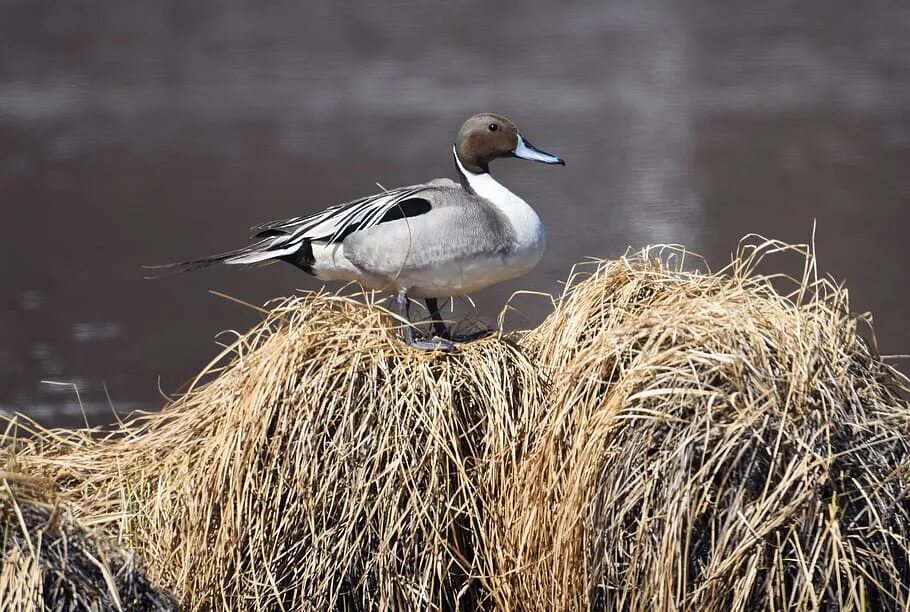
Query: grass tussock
{"points": [[53, 562], [664, 440]]}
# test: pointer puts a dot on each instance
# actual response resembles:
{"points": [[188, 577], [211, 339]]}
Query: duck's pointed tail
{"points": [[259, 252]]}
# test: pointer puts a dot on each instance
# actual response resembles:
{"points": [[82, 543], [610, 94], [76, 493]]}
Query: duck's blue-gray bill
{"points": [[526, 150]]}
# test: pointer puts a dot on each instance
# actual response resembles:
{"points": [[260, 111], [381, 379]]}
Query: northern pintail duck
{"points": [[435, 240]]}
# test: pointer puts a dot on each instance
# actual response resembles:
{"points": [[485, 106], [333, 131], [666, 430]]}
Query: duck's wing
{"points": [[283, 238], [335, 223]]}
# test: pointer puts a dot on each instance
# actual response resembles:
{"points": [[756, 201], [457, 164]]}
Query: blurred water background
{"points": [[134, 132]]}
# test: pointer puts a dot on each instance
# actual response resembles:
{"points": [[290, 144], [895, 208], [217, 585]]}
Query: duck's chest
{"points": [[522, 244], [525, 227]]}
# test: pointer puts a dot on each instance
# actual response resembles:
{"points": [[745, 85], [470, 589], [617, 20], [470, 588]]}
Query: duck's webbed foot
{"points": [[434, 344], [461, 338], [441, 331]]}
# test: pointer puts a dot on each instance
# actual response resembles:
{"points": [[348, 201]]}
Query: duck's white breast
{"points": [[529, 237]]}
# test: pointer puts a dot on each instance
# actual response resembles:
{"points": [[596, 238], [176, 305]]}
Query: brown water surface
{"points": [[134, 132]]}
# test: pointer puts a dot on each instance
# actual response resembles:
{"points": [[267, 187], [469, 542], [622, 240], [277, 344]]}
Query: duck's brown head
{"points": [[486, 137]]}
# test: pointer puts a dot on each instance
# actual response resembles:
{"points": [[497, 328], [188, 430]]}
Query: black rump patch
{"points": [[303, 258]]}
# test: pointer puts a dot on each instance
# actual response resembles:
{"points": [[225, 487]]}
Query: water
{"points": [[135, 133]]}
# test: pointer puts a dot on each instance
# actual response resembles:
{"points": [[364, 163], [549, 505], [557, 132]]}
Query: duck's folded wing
{"points": [[335, 223], [284, 238]]}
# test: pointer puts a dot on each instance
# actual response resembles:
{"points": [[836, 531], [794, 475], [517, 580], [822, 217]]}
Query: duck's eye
{"points": [[493, 127]]}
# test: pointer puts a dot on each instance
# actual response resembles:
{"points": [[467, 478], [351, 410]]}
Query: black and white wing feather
{"points": [[283, 238], [335, 223]]}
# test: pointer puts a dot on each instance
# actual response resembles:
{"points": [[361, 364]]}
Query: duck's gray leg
{"points": [[404, 310], [439, 326]]}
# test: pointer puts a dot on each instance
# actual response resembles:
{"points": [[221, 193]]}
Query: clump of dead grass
{"points": [[52, 562], [327, 465], [715, 442], [665, 439]]}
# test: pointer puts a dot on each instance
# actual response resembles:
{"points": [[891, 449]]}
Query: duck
{"points": [[435, 240]]}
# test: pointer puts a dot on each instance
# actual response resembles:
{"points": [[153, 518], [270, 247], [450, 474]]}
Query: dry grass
{"points": [[52, 562], [664, 440]]}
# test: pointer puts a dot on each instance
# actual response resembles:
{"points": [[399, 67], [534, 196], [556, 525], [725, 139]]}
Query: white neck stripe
{"points": [[484, 185], [525, 222]]}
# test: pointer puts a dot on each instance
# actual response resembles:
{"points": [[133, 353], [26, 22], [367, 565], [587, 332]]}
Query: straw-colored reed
{"points": [[665, 439]]}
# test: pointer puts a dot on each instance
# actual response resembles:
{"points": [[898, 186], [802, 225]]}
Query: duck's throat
{"points": [[523, 219]]}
